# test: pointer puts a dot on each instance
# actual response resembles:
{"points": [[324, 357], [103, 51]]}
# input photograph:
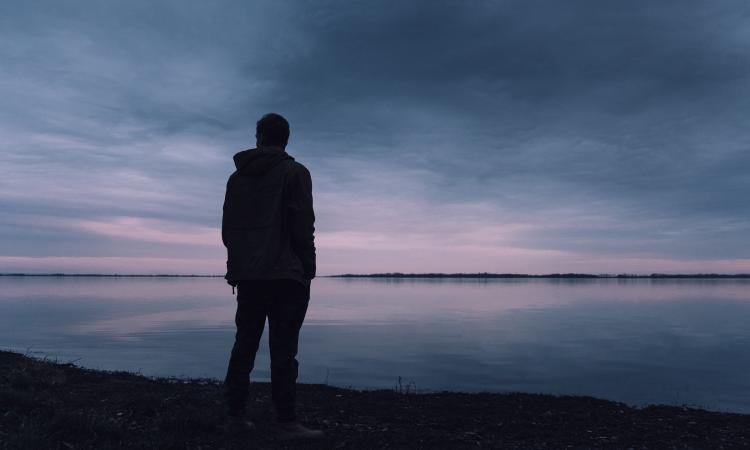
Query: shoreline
{"points": [[59, 405], [399, 275], [554, 276]]}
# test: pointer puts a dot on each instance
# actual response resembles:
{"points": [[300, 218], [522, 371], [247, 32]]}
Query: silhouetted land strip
{"points": [[108, 275], [550, 275], [408, 275], [50, 405]]}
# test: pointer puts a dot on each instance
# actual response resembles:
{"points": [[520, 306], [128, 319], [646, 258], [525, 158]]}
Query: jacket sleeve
{"points": [[302, 219], [225, 234], [224, 215]]}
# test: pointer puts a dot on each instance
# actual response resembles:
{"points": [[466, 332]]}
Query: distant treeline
{"points": [[165, 275], [405, 275], [550, 275]]}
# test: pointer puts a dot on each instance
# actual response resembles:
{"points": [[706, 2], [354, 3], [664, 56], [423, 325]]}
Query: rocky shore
{"points": [[47, 405]]}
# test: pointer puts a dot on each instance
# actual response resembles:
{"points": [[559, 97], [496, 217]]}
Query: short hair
{"points": [[274, 128]]}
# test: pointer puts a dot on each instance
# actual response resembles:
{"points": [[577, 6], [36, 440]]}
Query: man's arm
{"points": [[225, 211], [302, 219], [224, 234]]}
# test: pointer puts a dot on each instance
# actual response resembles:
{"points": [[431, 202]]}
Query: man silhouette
{"points": [[267, 228]]}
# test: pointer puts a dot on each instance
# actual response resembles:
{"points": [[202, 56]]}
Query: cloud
{"points": [[590, 129], [134, 228], [110, 264]]}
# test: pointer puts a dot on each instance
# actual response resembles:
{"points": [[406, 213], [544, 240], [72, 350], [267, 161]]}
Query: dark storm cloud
{"points": [[633, 110], [497, 81], [587, 126]]}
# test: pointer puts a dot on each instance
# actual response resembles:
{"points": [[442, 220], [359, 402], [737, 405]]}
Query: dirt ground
{"points": [[60, 406]]}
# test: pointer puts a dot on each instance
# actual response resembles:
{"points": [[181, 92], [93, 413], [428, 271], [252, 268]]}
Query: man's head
{"points": [[272, 129]]}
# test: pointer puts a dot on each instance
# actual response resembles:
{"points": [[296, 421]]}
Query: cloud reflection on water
{"points": [[639, 341]]}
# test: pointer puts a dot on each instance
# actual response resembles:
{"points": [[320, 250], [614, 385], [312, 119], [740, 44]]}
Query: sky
{"points": [[520, 136]]}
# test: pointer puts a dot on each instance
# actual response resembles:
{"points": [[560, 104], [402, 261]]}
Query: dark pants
{"points": [[284, 302]]}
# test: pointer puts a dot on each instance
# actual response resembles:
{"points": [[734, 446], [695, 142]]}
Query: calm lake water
{"points": [[638, 341]]}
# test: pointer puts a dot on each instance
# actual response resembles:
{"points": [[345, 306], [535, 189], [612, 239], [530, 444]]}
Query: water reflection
{"points": [[639, 341]]}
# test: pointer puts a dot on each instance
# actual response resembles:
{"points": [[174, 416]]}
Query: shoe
{"points": [[239, 425], [289, 431]]}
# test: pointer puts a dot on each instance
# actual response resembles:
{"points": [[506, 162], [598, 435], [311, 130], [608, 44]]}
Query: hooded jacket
{"points": [[268, 221]]}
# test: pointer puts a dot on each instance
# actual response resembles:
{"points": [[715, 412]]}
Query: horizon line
{"points": [[547, 275], [404, 275]]}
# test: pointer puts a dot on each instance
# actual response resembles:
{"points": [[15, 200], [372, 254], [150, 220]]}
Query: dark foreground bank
{"points": [[48, 405]]}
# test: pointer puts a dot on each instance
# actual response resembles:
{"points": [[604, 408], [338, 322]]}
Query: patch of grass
{"points": [[20, 379], [405, 388], [15, 399], [74, 425], [25, 435]]}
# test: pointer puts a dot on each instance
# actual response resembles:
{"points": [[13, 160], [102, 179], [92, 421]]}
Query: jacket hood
{"points": [[257, 161]]}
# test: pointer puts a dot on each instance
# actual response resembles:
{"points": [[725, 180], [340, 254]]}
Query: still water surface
{"points": [[638, 341]]}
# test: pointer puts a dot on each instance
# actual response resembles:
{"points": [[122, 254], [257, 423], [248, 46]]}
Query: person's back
{"points": [[268, 218], [267, 228]]}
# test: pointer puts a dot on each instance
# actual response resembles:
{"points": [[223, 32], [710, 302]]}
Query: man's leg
{"points": [[250, 320], [286, 313]]}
